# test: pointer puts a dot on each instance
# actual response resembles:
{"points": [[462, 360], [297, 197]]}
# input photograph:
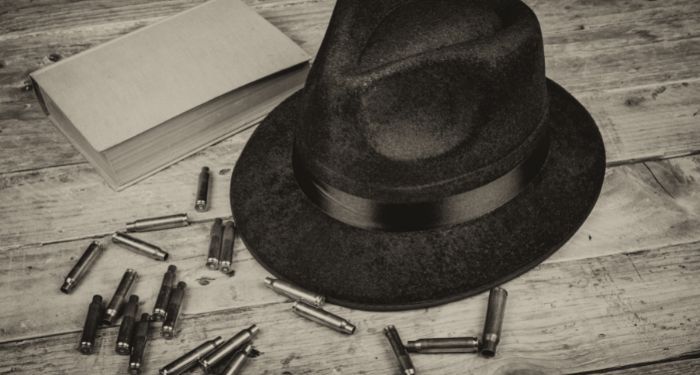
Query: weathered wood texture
{"points": [[621, 53], [677, 367], [643, 206], [620, 297], [562, 317]]}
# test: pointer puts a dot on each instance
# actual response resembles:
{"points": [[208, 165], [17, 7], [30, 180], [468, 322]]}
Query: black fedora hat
{"points": [[427, 159]]}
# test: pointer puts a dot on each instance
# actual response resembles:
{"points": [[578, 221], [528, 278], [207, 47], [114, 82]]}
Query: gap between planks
{"points": [[558, 320]]}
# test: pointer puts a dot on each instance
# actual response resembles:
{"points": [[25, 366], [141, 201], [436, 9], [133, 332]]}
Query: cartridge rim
{"points": [[123, 348], [85, 347], [167, 332], [212, 263], [110, 316], [68, 285]]}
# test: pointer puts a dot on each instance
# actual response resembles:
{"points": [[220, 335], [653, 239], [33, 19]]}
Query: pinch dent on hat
{"points": [[346, 126], [436, 122]]}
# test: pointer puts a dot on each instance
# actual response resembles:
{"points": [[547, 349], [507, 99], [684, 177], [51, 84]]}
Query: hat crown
{"points": [[408, 100]]}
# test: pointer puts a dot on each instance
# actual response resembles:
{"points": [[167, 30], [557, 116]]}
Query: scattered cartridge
{"points": [[189, 360], [238, 360], [214, 256], [201, 204], [114, 308], [158, 223], [323, 317], [228, 348], [81, 268], [173, 311], [92, 321], [494, 320], [444, 345], [227, 247], [166, 287], [139, 246], [294, 292], [126, 329], [399, 350], [139, 345]]}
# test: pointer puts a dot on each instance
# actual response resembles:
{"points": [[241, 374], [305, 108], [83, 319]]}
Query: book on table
{"points": [[140, 102]]}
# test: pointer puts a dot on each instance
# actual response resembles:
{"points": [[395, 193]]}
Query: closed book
{"points": [[138, 103]]}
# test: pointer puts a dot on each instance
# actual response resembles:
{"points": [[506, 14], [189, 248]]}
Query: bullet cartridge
{"points": [[227, 247], [226, 349], [126, 329], [139, 246], [166, 287], [399, 350], [494, 321], [158, 223], [201, 204], [81, 268], [214, 256], [294, 292], [139, 345], [444, 345], [173, 311], [323, 317], [237, 362], [92, 321], [114, 308], [189, 360]]}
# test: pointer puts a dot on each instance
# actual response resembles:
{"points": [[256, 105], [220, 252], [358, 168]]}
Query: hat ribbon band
{"points": [[370, 214]]}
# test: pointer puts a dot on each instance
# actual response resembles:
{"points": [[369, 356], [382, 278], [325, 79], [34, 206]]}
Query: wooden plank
{"points": [[28, 272], [590, 49], [673, 367], [636, 122], [642, 206], [26, 17], [643, 303], [644, 123], [574, 31], [65, 203], [575, 316], [78, 204]]}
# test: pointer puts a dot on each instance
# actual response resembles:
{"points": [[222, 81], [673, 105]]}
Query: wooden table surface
{"points": [[621, 297]]}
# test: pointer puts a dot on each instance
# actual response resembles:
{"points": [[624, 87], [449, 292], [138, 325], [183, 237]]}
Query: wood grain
{"points": [[642, 206], [561, 317], [619, 298], [673, 367], [630, 49]]}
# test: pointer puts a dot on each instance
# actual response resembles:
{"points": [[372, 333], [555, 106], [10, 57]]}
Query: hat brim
{"points": [[380, 270]]}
